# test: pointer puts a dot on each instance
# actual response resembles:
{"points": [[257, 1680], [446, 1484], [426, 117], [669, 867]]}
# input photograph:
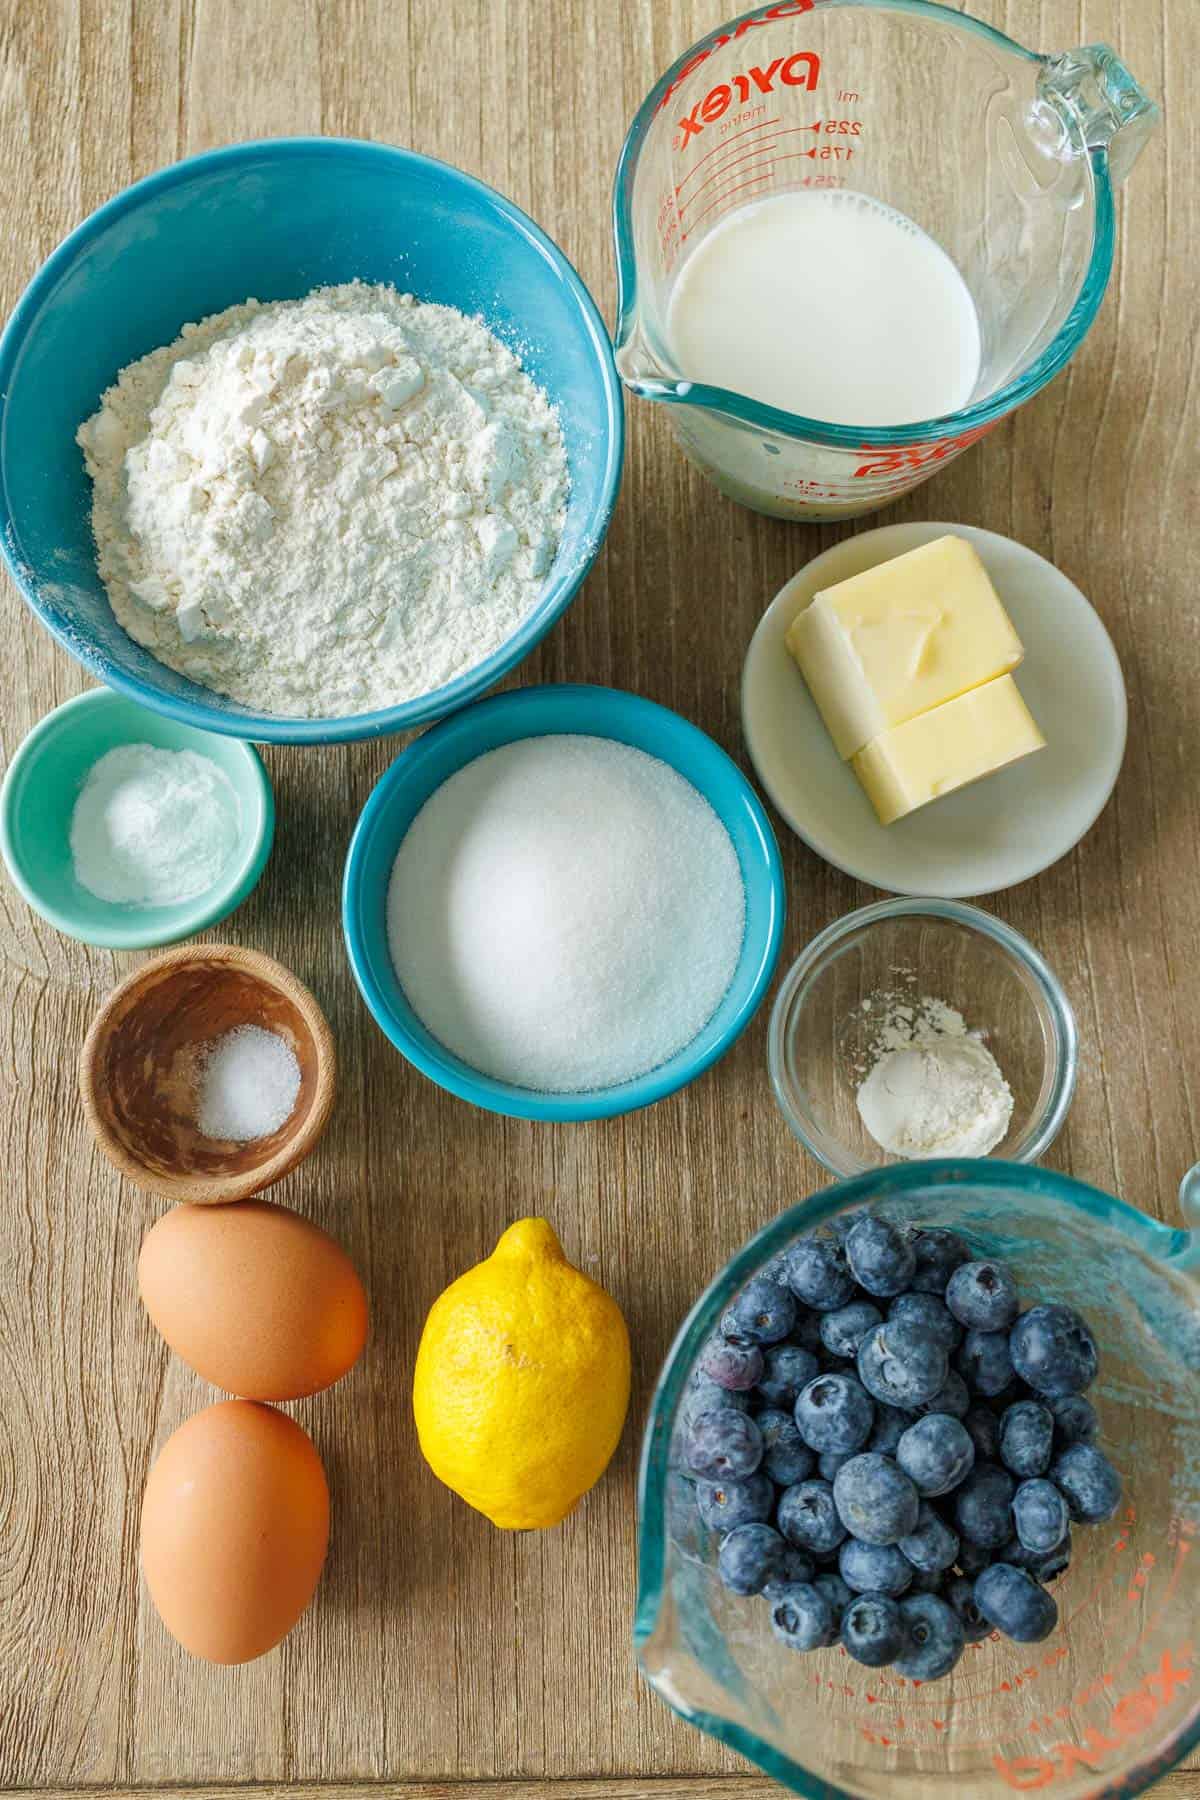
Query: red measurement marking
{"points": [[793, 156], [763, 147], [723, 145], [720, 200]]}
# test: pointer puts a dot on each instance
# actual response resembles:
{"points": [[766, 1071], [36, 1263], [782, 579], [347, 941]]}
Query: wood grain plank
{"points": [[442, 1660]]}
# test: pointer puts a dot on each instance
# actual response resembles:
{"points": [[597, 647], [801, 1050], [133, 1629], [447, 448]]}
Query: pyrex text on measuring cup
{"points": [[852, 235]]}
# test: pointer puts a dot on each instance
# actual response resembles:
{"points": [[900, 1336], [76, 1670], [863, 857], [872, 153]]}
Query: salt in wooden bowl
{"points": [[138, 1071]]}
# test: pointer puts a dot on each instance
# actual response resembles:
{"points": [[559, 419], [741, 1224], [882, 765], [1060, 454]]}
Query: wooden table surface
{"points": [[438, 1651]]}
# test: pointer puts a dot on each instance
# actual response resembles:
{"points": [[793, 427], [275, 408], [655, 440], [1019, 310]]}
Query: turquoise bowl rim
{"points": [[186, 919], [560, 589], [661, 733]]}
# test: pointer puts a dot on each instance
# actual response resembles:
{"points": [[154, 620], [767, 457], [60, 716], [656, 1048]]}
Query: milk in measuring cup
{"points": [[827, 303]]}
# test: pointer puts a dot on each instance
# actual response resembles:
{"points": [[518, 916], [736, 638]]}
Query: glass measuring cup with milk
{"points": [[853, 234]]}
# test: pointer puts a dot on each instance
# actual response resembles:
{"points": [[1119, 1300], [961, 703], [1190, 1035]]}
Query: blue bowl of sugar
{"points": [[37, 808], [513, 721]]}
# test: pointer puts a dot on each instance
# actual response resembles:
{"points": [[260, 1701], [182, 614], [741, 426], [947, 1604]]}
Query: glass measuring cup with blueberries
{"points": [[893, 1452]]}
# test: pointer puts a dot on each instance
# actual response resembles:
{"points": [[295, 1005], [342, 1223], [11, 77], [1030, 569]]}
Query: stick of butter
{"points": [[901, 638], [944, 749]]}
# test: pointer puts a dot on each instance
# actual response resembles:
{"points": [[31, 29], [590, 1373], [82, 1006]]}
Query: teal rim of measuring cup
{"points": [[1166, 1243], [972, 418]]}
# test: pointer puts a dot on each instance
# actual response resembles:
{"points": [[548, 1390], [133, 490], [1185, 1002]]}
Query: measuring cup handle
{"points": [[1100, 105]]}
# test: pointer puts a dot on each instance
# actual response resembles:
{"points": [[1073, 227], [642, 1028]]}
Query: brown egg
{"points": [[256, 1299], [235, 1523]]}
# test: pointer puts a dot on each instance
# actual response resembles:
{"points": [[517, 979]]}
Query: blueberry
{"points": [[1040, 1516], [795, 1566], [881, 1257], [929, 1581], [817, 1272], [930, 1312], [749, 1557], [735, 1367], [872, 1630], [763, 1313], [1075, 1420], [972, 1559], [937, 1254], [703, 1395], [984, 1429], [932, 1547], [1026, 1437], [835, 1591], [1044, 1567], [891, 1422], [834, 1412], [875, 1499], [806, 1332], [984, 1362], [786, 1457], [874, 1568], [982, 1506], [722, 1505], [960, 1595], [952, 1397], [901, 1365], [982, 1296], [935, 1637], [1053, 1350], [1089, 1482], [830, 1461], [1012, 1601], [802, 1618], [808, 1517], [786, 1369], [844, 1330], [723, 1445], [936, 1453]]}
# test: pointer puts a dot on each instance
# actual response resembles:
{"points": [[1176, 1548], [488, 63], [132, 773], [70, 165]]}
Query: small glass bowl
{"points": [[830, 1007]]}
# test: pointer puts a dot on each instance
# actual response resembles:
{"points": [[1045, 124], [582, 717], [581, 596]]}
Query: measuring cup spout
{"points": [[641, 370], [1099, 106]]}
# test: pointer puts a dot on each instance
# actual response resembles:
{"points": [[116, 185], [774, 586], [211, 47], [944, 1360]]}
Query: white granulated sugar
{"points": [[326, 506], [153, 827], [933, 1088], [565, 913], [248, 1083]]}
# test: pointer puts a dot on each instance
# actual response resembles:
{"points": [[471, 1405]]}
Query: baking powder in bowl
{"points": [[934, 1088], [565, 913], [153, 827]]}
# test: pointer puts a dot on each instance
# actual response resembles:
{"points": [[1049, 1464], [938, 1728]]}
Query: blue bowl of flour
{"points": [[421, 769], [275, 220]]}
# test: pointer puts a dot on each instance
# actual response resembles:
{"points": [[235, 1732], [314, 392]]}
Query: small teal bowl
{"points": [[417, 772], [275, 220], [39, 794]]}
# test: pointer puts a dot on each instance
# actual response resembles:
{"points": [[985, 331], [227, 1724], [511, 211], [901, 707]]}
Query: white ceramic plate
{"points": [[985, 837]]}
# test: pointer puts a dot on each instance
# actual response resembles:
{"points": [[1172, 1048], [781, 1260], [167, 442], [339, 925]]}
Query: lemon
{"points": [[522, 1382]]}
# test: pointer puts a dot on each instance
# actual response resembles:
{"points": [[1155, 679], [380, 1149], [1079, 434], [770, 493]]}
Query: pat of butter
{"points": [[901, 638], [944, 749]]}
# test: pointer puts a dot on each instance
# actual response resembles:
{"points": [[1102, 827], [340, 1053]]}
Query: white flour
{"points": [[328, 505], [934, 1088]]}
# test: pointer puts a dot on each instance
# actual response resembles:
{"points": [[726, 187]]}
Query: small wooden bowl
{"points": [[137, 1071]]}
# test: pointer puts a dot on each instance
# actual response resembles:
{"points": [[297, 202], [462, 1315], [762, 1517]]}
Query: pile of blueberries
{"points": [[892, 1451]]}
